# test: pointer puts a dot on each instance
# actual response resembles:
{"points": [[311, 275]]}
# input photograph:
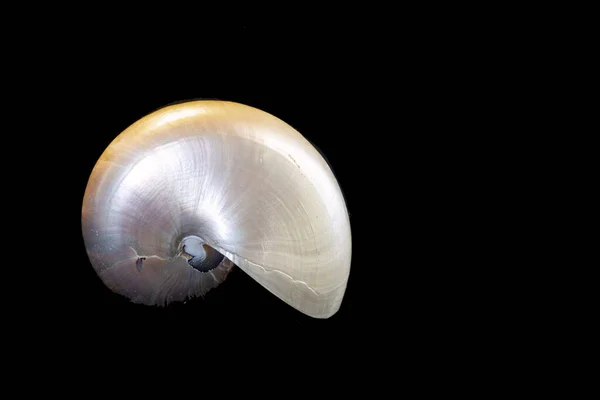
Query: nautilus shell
{"points": [[192, 190]]}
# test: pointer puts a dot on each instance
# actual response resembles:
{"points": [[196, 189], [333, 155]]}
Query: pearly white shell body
{"points": [[241, 180]]}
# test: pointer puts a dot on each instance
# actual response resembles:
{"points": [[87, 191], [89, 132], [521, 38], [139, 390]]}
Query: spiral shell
{"points": [[193, 182]]}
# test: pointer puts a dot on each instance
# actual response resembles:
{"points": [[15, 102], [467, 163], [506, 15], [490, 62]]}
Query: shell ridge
{"points": [[296, 281]]}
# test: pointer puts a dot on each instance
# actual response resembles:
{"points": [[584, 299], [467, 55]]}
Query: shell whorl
{"points": [[237, 178]]}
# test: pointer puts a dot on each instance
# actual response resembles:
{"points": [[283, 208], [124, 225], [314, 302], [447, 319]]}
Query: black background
{"points": [[396, 108]]}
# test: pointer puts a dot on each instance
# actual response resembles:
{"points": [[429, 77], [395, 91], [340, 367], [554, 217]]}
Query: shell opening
{"points": [[200, 255]]}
